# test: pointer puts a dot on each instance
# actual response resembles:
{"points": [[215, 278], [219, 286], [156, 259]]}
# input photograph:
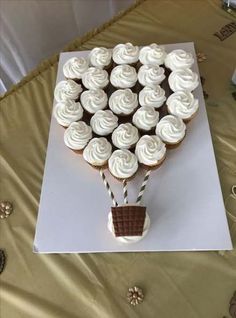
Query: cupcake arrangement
{"points": [[122, 108]]}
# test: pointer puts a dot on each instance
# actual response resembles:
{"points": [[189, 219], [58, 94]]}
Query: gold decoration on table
{"points": [[201, 57], [232, 306], [135, 296], [6, 208]]}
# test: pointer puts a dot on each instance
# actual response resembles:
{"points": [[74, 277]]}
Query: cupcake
{"points": [[77, 135], [123, 76], [67, 112], [100, 57], [151, 75], [179, 60], [183, 105], [93, 100], [67, 90], [125, 136], [150, 151], [97, 152], [123, 164], [152, 96], [95, 78], [75, 67], [104, 122], [183, 80], [152, 54], [123, 102], [146, 118], [171, 130], [125, 54]]}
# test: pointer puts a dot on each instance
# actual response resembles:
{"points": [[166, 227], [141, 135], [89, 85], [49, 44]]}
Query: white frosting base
{"points": [[67, 112], [68, 89], [103, 122], [93, 100], [128, 239], [125, 53], [123, 164], [171, 129], [179, 59], [145, 118], [123, 101], [75, 67], [98, 151], [151, 75], [152, 96], [77, 135], [183, 80], [123, 76], [152, 54], [95, 78], [182, 104], [125, 136], [100, 57]]}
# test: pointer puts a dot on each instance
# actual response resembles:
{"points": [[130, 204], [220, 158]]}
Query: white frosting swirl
{"points": [[171, 129], [123, 164], [179, 59], [182, 104], [77, 135], [123, 101], [68, 89], [123, 76], [150, 150], [181, 80], [125, 136], [151, 75], [93, 100], [67, 111], [100, 57], [152, 54], [98, 151], [125, 53], [95, 78], [152, 96], [145, 118], [75, 67], [103, 122], [128, 239]]}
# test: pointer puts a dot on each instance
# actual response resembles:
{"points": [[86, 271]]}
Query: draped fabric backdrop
{"points": [[32, 30]]}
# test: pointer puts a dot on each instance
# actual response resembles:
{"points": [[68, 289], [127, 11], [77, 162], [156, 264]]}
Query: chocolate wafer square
{"points": [[128, 220]]}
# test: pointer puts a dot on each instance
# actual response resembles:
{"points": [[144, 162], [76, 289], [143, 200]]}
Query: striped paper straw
{"points": [[143, 186], [125, 191], [107, 186]]}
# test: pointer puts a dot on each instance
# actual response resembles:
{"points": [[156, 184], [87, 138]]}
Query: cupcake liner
{"points": [[174, 145], [153, 167]]}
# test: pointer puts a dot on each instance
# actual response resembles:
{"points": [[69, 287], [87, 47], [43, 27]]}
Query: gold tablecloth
{"points": [[183, 285]]}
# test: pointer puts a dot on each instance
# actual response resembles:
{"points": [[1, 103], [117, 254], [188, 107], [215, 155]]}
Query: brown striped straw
{"points": [[125, 191], [143, 186], [107, 186]]}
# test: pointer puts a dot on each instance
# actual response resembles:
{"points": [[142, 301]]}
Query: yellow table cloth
{"points": [[179, 285]]}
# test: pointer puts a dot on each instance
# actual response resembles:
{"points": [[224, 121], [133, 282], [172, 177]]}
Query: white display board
{"points": [[183, 197]]}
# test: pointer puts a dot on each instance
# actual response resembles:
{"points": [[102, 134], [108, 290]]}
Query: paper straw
{"points": [[143, 186], [125, 191], [107, 186]]}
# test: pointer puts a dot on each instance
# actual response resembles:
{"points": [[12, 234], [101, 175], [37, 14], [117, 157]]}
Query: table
{"points": [[193, 284]]}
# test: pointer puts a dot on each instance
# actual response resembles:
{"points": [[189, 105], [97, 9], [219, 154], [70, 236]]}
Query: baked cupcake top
{"points": [[67, 89], [77, 135], [150, 150], [95, 78], [123, 101], [93, 100], [100, 57], [125, 136], [125, 53], [152, 54], [75, 67], [182, 104], [98, 151], [123, 76], [179, 59], [151, 75], [171, 129], [123, 164], [67, 112], [145, 118], [152, 96], [181, 80], [104, 122]]}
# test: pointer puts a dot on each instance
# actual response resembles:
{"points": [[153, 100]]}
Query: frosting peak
{"points": [[152, 54], [68, 111], [75, 67], [123, 76], [95, 78], [123, 164], [104, 122], [98, 151], [183, 80], [152, 96], [171, 129], [77, 135], [151, 75], [100, 57], [125, 136], [123, 101], [125, 53], [179, 59], [67, 90]]}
